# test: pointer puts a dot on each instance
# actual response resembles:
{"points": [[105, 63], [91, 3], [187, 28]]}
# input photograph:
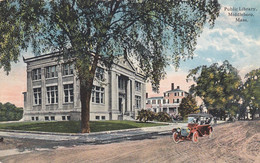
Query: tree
{"points": [[218, 87], [250, 92], [188, 105], [89, 33], [9, 112]]}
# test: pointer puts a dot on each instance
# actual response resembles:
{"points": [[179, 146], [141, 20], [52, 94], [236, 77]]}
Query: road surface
{"points": [[232, 142]]}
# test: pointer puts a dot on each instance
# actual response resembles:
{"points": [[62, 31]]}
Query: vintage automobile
{"points": [[198, 125]]}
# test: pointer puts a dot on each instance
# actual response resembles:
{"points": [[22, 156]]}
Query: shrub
{"points": [[145, 115], [163, 117]]}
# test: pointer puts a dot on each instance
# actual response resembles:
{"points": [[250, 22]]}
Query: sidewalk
{"points": [[93, 137], [97, 137]]}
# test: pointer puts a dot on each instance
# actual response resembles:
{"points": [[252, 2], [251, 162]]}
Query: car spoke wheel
{"points": [[175, 137], [195, 137]]}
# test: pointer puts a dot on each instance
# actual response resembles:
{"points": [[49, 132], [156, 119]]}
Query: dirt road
{"points": [[232, 142]]}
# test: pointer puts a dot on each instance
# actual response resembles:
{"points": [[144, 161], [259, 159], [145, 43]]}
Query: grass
{"points": [[74, 126]]}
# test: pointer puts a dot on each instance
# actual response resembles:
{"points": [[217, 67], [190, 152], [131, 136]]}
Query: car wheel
{"points": [[175, 137], [195, 137]]}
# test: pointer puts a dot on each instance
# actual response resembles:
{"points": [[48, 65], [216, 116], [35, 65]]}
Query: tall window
{"points": [[137, 86], [37, 94], [51, 72], [67, 69], [100, 73], [153, 101], [121, 83], [36, 74], [52, 95], [159, 101], [178, 101], [138, 101], [98, 95], [68, 93]]}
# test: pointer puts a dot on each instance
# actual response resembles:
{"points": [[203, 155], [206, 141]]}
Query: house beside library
{"points": [[53, 91], [169, 102]]}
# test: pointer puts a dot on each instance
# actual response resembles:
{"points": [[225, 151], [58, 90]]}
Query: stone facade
{"points": [[169, 102], [53, 91]]}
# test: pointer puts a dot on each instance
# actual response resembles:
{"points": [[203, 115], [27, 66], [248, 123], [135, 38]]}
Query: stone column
{"points": [[128, 96], [114, 93], [76, 92], [143, 99], [133, 96], [60, 87], [29, 91], [43, 87]]}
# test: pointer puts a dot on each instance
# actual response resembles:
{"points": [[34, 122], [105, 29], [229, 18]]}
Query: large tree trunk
{"points": [[86, 85], [85, 95]]}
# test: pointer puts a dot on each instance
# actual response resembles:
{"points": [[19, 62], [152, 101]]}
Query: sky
{"points": [[237, 42]]}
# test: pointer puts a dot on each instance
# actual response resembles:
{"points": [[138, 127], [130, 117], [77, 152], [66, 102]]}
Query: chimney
{"points": [[178, 87], [172, 86], [146, 95]]}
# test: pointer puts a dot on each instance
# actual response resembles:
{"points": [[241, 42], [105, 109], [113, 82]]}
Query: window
{"points": [[32, 118], [51, 72], [153, 101], [63, 118], [178, 101], [159, 102], [36, 74], [181, 93], [100, 73], [46, 118], [164, 101], [148, 101], [67, 69], [137, 86], [121, 83], [68, 118], [175, 94], [52, 118], [98, 95], [37, 95], [37, 118], [103, 117], [138, 101], [52, 95], [97, 117], [68, 93]]}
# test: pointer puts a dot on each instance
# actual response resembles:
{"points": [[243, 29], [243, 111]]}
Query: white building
{"points": [[53, 91], [169, 102]]}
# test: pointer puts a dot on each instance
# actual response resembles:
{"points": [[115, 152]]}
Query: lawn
{"points": [[74, 126]]}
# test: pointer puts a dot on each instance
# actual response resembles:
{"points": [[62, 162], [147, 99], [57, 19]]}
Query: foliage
{"points": [[9, 112], [145, 115], [148, 115], [218, 86], [251, 93], [74, 126], [162, 117], [98, 32], [188, 105]]}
